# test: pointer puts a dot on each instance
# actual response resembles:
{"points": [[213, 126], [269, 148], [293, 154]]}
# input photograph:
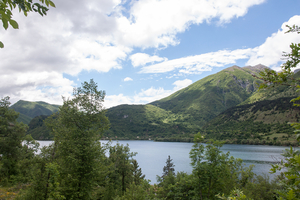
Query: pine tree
{"points": [[168, 168], [137, 173]]}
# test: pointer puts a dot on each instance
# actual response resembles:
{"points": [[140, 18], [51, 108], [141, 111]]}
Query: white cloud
{"points": [[114, 100], [95, 35], [87, 54], [150, 95], [199, 63], [128, 79], [270, 52], [141, 59], [155, 23], [40, 86], [145, 96], [182, 84]]}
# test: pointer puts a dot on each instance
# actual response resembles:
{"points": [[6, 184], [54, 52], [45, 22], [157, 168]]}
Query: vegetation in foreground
{"points": [[76, 166]]}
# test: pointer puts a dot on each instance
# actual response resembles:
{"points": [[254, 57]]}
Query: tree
{"points": [[25, 6], [235, 194], [214, 171], [121, 174], [168, 168], [77, 131], [272, 78], [138, 176], [167, 180], [12, 135]]}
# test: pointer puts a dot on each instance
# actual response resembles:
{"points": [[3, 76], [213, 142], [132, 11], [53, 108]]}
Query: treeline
{"points": [[215, 175], [78, 166], [263, 123]]}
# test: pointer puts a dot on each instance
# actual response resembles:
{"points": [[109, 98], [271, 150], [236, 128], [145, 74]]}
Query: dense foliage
{"points": [[77, 166], [291, 176], [263, 122]]}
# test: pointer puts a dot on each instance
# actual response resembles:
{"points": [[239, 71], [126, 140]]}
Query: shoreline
{"points": [[251, 142]]}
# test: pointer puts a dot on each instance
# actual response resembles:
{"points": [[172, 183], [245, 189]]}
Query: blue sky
{"points": [[139, 51]]}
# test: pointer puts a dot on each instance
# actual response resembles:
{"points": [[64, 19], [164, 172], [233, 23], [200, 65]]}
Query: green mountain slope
{"points": [[23, 118], [208, 97], [262, 122], [225, 105], [143, 122], [29, 110], [186, 111], [37, 128], [273, 93]]}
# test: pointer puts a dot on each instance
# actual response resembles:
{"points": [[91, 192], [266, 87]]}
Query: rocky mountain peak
{"points": [[256, 68]]}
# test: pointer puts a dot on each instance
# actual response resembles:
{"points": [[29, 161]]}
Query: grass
{"points": [[7, 193]]}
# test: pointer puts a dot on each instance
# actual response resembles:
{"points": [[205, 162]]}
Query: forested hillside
{"points": [[206, 98], [190, 110], [146, 122], [262, 122], [183, 113], [29, 110]]}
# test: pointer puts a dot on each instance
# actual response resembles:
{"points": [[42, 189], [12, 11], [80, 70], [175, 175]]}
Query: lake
{"points": [[152, 155]]}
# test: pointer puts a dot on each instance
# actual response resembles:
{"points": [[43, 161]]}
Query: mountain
{"points": [[37, 128], [144, 122], [259, 119], [29, 110], [262, 122], [272, 93], [208, 97], [226, 105], [187, 110]]}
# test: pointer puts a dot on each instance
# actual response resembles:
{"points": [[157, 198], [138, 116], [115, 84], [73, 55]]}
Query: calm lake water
{"points": [[152, 155]]}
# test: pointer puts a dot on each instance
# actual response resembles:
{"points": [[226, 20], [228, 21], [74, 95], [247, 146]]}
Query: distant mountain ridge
{"points": [[188, 109], [208, 105], [206, 98], [29, 110], [258, 123]]}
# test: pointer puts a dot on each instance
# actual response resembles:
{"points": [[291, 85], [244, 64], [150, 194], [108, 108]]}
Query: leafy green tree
{"points": [[214, 171], [121, 174], [77, 131], [12, 135], [179, 186], [291, 176], [138, 192], [234, 195], [27, 160], [259, 187], [286, 77], [25, 6]]}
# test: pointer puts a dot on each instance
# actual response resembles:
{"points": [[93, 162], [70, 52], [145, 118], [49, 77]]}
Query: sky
{"points": [[139, 51]]}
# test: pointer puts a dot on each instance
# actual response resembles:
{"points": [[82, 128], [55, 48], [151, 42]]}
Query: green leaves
{"points": [[214, 171], [14, 24], [77, 130], [51, 4], [25, 6]]}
